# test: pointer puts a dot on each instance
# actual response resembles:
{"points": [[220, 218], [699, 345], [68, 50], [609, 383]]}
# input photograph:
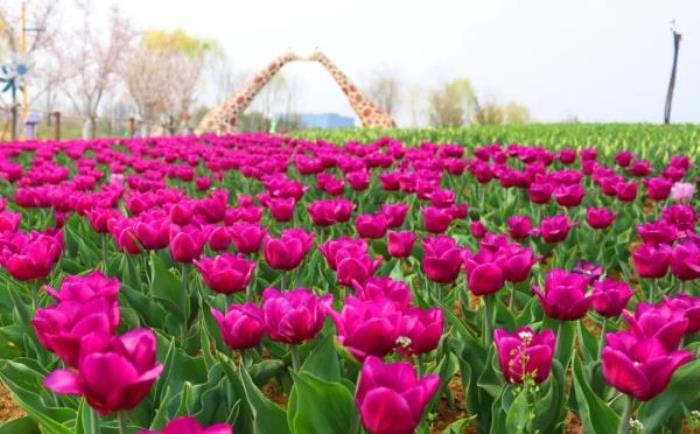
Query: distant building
{"points": [[319, 121]]}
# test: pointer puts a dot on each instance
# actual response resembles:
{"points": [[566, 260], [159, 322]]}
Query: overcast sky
{"points": [[597, 60]]}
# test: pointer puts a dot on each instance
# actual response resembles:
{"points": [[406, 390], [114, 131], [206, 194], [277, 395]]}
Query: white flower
{"points": [[682, 192]]}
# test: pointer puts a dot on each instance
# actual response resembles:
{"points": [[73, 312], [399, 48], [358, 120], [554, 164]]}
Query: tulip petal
{"points": [[64, 382]]}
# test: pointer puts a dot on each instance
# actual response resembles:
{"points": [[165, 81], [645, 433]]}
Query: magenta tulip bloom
{"points": [[484, 273], [555, 229], [293, 317], [477, 229], [330, 249], [190, 425], [442, 259], [589, 270], [400, 244], [226, 273], [519, 227], [436, 220], [517, 262], [624, 158], [610, 297], [391, 398], [30, 257], [683, 217], [371, 226], [99, 217], [690, 306], [658, 232], [652, 261], [60, 328], [358, 180], [599, 218], [639, 366], [9, 221], [367, 327], [640, 168], [567, 156], [114, 373], [663, 322], [540, 193], [353, 266], [658, 189], [186, 244], [442, 198], [384, 288], [82, 289], [395, 214], [247, 237], [564, 296], [287, 252], [219, 238], [281, 208], [525, 354], [342, 209], [626, 191], [685, 261], [152, 232], [322, 213], [569, 195], [242, 327], [421, 330]]}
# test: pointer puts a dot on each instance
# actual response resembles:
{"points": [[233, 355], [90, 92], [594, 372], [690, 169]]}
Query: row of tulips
{"points": [[362, 287]]}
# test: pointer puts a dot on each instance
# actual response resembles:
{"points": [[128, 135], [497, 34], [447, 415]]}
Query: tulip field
{"points": [[535, 279]]}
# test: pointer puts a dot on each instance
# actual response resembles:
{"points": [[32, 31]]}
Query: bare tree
{"points": [[384, 90], [162, 76], [416, 102], [92, 63]]}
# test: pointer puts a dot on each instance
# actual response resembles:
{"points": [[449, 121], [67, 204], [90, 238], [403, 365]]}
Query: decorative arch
{"points": [[223, 119]]}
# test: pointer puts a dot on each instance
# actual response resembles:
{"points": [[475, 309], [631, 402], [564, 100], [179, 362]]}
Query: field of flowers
{"points": [[491, 280]]}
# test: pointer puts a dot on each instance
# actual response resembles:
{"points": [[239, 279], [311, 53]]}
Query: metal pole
{"points": [[23, 48], [672, 81]]}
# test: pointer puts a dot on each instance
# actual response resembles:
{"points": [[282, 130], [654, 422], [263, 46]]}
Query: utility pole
{"points": [[23, 49], [672, 81]]}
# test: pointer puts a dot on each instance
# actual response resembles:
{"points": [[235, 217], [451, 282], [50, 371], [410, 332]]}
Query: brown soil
{"points": [[273, 392], [573, 425], [8, 409], [447, 415]]}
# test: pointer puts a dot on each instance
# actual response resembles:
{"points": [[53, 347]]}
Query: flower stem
{"points": [[488, 319], [94, 422], [185, 290], [603, 329], [121, 420], [626, 415], [557, 353], [296, 361]]}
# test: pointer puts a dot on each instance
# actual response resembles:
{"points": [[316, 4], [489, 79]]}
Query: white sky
{"points": [[598, 60]]}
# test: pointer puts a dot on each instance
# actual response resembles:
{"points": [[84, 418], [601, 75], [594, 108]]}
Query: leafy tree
{"points": [[453, 104], [515, 113]]}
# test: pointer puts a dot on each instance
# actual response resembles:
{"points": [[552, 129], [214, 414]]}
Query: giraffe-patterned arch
{"points": [[224, 118]]}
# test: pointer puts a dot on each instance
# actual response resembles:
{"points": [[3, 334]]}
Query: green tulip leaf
{"points": [[321, 407]]}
